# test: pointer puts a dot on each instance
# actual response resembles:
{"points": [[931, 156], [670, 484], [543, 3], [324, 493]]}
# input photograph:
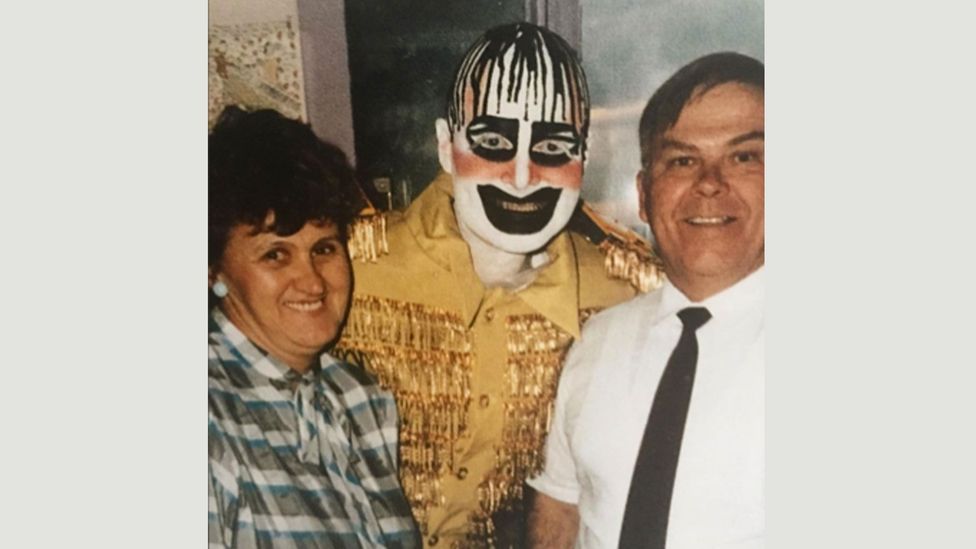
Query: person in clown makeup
{"points": [[468, 316]]}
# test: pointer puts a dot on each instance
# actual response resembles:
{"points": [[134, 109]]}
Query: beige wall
{"points": [[328, 99], [236, 12]]}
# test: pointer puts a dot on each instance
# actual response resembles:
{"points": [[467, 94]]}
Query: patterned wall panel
{"points": [[256, 65]]}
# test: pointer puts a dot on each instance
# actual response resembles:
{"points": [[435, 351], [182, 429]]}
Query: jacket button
{"points": [[490, 314], [432, 540], [462, 473], [484, 401]]}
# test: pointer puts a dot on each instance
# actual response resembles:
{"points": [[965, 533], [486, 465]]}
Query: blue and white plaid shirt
{"points": [[300, 460]]}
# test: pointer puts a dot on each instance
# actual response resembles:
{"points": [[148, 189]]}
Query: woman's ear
{"points": [[217, 286]]}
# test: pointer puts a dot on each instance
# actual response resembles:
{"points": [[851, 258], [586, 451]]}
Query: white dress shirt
{"points": [[604, 399]]}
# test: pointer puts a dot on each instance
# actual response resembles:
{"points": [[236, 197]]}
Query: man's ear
{"points": [[641, 199], [586, 152], [445, 146]]}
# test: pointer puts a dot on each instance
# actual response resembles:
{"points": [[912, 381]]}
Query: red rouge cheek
{"points": [[468, 164], [567, 176]]}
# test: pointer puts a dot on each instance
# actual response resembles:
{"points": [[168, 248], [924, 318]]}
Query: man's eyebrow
{"points": [[488, 122], [758, 134], [554, 126], [554, 129], [666, 143]]}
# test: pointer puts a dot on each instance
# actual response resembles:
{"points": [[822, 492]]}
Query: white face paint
{"points": [[518, 165]]}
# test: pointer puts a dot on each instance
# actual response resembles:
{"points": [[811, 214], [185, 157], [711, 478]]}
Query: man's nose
{"points": [[524, 174], [711, 181], [523, 171]]}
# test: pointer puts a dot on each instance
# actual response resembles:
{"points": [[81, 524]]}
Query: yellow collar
{"points": [[555, 292]]}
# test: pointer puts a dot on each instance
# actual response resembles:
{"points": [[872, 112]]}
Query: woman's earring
{"points": [[219, 289]]}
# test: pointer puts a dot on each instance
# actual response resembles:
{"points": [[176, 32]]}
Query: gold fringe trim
{"points": [[628, 255], [535, 354], [536, 349], [367, 237], [423, 355], [633, 262], [480, 534]]}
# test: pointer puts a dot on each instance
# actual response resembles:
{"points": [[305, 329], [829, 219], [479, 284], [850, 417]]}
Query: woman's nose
{"points": [[308, 279]]}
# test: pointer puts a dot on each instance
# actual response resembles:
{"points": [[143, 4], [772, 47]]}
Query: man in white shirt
{"points": [[658, 433]]}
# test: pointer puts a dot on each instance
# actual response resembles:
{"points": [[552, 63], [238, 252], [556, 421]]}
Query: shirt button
{"points": [[490, 314], [484, 401], [432, 540], [462, 473]]}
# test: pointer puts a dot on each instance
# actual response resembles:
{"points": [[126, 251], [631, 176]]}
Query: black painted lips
{"points": [[514, 215]]}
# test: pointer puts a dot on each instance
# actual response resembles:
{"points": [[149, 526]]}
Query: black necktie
{"points": [[649, 502]]}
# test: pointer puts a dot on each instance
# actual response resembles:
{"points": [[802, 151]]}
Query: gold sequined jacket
{"points": [[474, 371]]}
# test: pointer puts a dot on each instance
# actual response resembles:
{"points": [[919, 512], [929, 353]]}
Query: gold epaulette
{"points": [[367, 236], [627, 255]]}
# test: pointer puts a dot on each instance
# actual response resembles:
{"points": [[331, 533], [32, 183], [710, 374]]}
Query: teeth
{"points": [[305, 306], [716, 220], [516, 207]]}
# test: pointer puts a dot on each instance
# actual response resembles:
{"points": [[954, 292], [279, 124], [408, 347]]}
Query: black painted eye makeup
{"points": [[553, 143], [493, 138]]}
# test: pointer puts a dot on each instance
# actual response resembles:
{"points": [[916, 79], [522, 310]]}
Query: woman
{"points": [[303, 447]]}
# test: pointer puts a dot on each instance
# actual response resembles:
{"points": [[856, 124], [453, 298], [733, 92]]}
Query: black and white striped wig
{"points": [[509, 57]]}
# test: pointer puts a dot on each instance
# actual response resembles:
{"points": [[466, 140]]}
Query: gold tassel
{"points": [[632, 262], [628, 255], [367, 236], [423, 355], [536, 349]]}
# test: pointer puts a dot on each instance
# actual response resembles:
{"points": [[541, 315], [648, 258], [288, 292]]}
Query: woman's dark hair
{"points": [[695, 78], [261, 162]]}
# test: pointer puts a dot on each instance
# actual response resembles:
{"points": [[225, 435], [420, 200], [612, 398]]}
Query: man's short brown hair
{"points": [[695, 78]]}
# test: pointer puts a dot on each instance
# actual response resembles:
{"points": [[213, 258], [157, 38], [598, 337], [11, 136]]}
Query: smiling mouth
{"points": [[306, 306], [519, 207], [514, 215], [710, 221]]}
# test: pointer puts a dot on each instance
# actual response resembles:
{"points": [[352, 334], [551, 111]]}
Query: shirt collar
{"points": [[744, 296], [258, 360], [555, 291]]}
